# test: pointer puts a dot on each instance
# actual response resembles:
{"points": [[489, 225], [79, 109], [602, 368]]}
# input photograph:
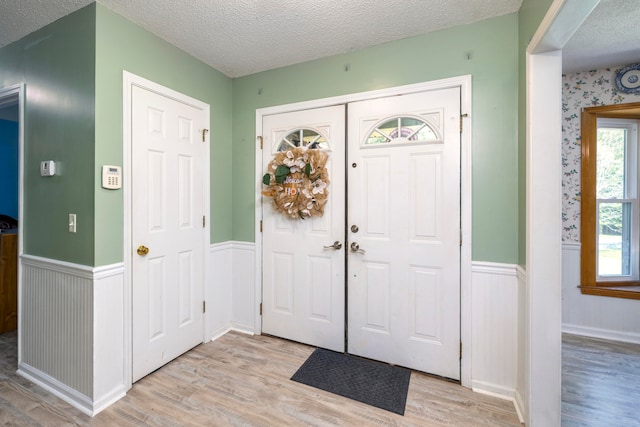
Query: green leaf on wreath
{"points": [[307, 170], [266, 179], [281, 173]]}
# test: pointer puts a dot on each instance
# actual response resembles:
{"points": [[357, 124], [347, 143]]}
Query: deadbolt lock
{"points": [[354, 228]]}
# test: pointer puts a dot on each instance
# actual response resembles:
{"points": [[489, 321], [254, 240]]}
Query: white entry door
{"points": [[168, 233], [303, 274], [404, 230]]}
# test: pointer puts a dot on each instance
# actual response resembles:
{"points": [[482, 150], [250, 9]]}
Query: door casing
{"points": [[130, 80], [464, 82], [17, 92]]}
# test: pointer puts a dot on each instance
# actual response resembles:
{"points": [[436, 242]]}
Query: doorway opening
{"points": [[11, 151]]}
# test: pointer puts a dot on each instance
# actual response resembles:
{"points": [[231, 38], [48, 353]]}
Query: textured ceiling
{"points": [[609, 36], [240, 37]]}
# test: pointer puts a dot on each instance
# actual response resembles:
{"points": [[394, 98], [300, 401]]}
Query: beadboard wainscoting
{"points": [[218, 290], [497, 318], [231, 295], [521, 384], [495, 329], [72, 336], [75, 343], [595, 316]]}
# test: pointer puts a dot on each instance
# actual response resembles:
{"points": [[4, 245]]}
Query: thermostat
{"points": [[47, 168]]}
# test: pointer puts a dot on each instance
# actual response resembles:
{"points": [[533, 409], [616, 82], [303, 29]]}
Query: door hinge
{"points": [[261, 226], [204, 306], [204, 133], [260, 139], [461, 117], [260, 309], [204, 222]]}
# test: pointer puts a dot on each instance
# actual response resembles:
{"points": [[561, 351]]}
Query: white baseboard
{"points": [[606, 334], [72, 397], [245, 329], [518, 403], [495, 390]]}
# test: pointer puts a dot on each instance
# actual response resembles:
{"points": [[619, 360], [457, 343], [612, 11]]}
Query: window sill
{"points": [[629, 292]]}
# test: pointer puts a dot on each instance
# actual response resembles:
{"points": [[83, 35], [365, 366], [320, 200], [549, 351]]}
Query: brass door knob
{"points": [[143, 250]]}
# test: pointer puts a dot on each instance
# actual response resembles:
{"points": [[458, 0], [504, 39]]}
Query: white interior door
{"points": [[303, 280], [167, 218], [404, 215]]}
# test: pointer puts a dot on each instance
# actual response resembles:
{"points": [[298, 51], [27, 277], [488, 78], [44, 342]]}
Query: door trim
{"points": [[464, 83], [128, 81], [7, 93]]}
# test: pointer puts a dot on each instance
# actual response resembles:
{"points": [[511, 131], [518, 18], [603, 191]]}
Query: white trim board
{"points": [[543, 61], [605, 334], [465, 84]]}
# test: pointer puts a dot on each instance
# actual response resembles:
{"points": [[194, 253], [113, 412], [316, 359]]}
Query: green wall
{"points": [[57, 64], [487, 50], [529, 18], [73, 74], [123, 45]]}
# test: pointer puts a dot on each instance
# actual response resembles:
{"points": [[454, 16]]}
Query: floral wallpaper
{"points": [[579, 90]]}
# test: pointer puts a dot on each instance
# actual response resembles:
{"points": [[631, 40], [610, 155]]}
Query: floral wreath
{"points": [[297, 182]]}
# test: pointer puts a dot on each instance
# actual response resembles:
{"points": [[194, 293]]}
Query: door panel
{"points": [[303, 282], [167, 211], [404, 196]]}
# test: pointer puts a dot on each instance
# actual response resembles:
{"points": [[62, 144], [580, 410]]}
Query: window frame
{"points": [[590, 283]]}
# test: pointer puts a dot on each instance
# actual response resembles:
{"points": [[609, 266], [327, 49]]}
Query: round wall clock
{"points": [[628, 79]]}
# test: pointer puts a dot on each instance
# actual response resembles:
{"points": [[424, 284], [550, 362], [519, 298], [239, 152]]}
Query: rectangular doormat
{"points": [[374, 383]]}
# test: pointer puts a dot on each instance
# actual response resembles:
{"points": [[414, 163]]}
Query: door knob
{"points": [[143, 250], [355, 247], [337, 245]]}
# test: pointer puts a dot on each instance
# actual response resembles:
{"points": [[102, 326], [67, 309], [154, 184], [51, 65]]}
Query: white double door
{"points": [[389, 288]]}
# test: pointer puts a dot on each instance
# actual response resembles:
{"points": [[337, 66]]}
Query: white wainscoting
{"points": [[590, 315], [231, 299], [495, 329], [72, 338], [498, 307], [218, 290], [521, 384]]}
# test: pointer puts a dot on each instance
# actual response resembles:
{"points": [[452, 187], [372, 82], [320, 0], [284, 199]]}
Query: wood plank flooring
{"points": [[243, 380], [600, 382]]}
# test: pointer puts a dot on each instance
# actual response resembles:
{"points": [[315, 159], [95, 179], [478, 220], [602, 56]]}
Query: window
{"points": [[610, 212], [401, 130], [303, 138]]}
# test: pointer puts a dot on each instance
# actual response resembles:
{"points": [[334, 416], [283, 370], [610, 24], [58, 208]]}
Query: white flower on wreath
{"points": [[295, 164], [318, 186], [309, 197]]}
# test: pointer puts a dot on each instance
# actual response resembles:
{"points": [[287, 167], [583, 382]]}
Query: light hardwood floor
{"points": [[600, 383], [243, 380]]}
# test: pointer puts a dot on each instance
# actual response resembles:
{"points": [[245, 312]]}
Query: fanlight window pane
{"points": [[303, 138], [611, 163], [401, 129], [614, 239]]}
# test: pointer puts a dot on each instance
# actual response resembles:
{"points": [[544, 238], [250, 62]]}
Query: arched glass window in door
{"points": [[401, 130], [303, 138]]}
